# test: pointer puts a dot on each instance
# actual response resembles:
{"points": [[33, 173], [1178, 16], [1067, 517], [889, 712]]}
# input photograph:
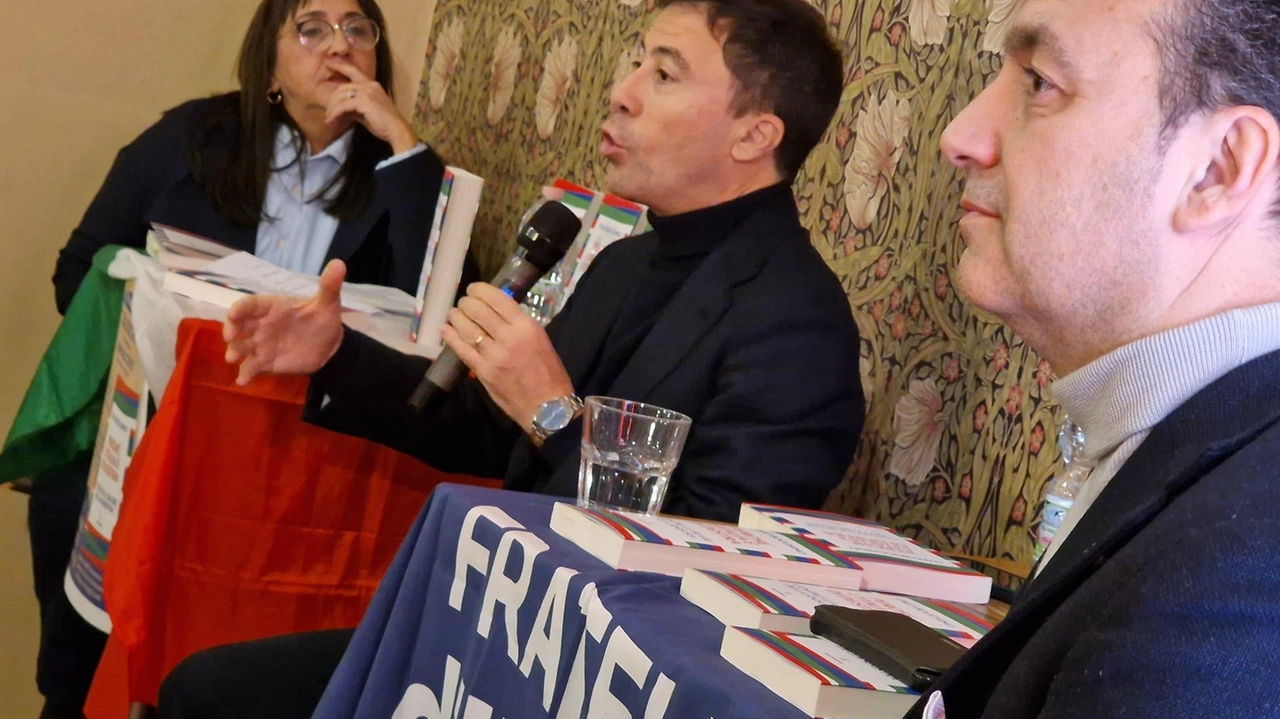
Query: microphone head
{"points": [[547, 234]]}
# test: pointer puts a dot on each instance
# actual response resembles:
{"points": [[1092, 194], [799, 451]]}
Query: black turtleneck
{"points": [[684, 241]]}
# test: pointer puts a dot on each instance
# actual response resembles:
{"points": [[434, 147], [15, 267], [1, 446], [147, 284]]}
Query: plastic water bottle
{"points": [[1062, 494], [543, 299]]}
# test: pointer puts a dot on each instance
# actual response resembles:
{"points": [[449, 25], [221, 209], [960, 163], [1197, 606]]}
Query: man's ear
{"points": [[759, 136], [1238, 168]]}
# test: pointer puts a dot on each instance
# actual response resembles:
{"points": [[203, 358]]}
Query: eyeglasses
{"points": [[361, 33]]}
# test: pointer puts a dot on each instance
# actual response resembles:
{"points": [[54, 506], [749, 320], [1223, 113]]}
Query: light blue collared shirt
{"points": [[298, 235]]}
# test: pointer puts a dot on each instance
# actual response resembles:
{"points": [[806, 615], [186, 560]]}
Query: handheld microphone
{"points": [[544, 236]]}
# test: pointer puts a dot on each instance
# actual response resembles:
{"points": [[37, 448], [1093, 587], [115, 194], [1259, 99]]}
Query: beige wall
{"points": [[89, 80]]}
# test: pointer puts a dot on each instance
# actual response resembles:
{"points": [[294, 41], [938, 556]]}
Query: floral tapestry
{"points": [[959, 439]]}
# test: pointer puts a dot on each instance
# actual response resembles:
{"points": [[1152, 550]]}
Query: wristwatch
{"points": [[554, 416]]}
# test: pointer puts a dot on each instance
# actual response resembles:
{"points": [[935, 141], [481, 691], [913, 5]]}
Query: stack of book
{"points": [[180, 251], [861, 555], [890, 562], [765, 577]]}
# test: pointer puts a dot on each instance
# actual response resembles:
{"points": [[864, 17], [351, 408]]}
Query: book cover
{"points": [[617, 218], [892, 562], [788, 606], [582, 200], [586, 204], [817, 676], [670, 545], [545, 298]]}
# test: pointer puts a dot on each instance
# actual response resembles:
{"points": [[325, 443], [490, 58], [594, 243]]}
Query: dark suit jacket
{"points": [[758, 347], [1164, 601], [152, 181]]}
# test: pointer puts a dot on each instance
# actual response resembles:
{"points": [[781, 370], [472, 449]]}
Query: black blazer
{"points": [[151, 181], [1164, 601], [758, 347]]}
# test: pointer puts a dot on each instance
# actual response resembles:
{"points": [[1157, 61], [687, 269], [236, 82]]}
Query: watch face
{"points": [[554, 415]]}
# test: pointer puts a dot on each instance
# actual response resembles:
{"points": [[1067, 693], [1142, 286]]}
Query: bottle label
{"points": [[1055, 509]]}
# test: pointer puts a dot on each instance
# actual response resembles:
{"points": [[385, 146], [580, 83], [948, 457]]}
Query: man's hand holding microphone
{"points": [[488, 332]]}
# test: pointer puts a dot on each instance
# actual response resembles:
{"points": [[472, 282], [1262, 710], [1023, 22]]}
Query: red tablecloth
{"points": [[240, 521]]}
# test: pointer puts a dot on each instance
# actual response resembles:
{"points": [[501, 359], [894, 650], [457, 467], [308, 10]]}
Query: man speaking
{"points": [[726, 313]]}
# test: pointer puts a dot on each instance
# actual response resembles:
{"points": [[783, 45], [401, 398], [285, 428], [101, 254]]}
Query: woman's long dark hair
{"points": [[235, 170]]}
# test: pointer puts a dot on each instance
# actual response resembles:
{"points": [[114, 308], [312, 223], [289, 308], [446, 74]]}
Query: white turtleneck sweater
{"points": [[1117, 398]]}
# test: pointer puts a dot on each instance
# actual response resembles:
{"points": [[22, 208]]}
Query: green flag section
{"points": [[58, 419]]}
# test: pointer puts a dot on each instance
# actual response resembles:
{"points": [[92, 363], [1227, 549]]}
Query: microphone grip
{"points": [[516, 279], [443, 374]]}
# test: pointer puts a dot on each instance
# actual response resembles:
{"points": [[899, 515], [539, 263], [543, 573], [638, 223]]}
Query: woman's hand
{"points": [[365, 101]]}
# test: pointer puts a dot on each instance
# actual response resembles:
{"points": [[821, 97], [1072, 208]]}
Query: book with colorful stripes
{"points": [[446, 253], [779, 606], [670, 545], [585, 203], [546, 297], [615, 219], [817, 676], [890, 561]]}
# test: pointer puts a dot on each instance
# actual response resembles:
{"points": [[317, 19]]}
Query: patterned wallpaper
{"points": [[959, 439]]}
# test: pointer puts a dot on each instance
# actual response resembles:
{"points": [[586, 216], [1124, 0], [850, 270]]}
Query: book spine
{"points": [[961, 616], [627, 528], [449, 257], [817, 666], [759, 597], [433, 243]]}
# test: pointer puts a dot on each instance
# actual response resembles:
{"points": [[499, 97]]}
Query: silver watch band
{"points": [[541, 433]]}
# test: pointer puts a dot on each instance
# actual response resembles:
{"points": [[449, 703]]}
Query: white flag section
{"points": [[124, 416]]}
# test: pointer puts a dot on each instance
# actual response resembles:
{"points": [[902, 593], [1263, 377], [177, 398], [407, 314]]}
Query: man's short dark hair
{"points": [[1215, 54], [784, 61]]}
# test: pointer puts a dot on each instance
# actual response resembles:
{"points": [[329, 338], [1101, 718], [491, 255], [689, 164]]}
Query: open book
{"points": [[224, 281]]}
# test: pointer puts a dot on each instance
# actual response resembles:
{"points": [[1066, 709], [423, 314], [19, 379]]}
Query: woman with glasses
{"points": [[309, 161]]}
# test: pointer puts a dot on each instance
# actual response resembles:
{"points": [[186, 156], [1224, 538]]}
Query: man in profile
{"points": [[726, 313], [1121, 201]]}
